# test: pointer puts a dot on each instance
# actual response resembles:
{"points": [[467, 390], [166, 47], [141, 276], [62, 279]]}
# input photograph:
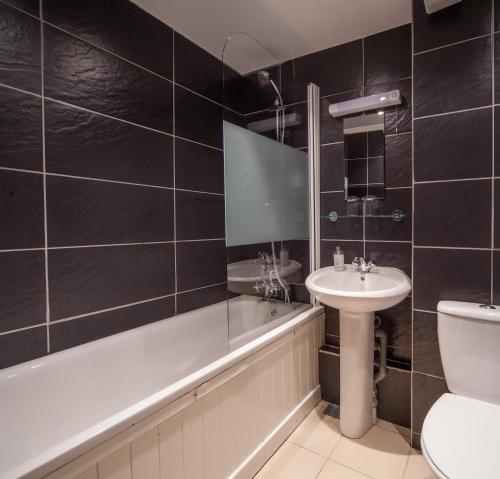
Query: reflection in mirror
{"points": [[364, 150]]}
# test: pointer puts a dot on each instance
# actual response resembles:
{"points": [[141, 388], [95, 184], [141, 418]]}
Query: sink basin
{"points": [[254, 270], [357, 300], [382, 288]]}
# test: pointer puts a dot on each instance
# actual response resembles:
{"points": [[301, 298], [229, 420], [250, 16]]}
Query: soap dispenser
{"points": [[338, 260]]}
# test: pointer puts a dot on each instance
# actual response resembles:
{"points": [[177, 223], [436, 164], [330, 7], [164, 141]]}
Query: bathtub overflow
{"points": [[274, 312]]}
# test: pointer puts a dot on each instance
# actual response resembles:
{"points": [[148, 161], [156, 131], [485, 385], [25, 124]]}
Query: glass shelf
{"points": [[396, 215]]}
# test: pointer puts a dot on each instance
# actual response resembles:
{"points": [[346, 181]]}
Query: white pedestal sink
{"points": [[357, 301]]}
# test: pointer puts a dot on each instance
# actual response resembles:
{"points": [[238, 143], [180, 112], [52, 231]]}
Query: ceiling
{"points": [[289, 28]]}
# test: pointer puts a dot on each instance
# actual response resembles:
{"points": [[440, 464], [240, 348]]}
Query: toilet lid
{"points": [[461, 437]]}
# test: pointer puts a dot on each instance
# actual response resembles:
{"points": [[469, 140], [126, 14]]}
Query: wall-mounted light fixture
{"points": [[432, 6], [366, 103]]}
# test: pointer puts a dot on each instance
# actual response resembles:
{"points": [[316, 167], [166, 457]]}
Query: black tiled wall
{"points": [[111, 199]]}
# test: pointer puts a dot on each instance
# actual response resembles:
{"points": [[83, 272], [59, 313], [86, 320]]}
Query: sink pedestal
{"points": [[357, 342]]}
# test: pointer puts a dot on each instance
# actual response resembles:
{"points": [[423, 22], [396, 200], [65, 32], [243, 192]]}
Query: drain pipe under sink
{"points": [[382, 370]]}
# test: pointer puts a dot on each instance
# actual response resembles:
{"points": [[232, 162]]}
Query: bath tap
{"points": [[269, 288], [264, 258]]}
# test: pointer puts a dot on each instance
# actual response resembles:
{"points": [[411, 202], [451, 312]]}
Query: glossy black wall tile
{"points": [[19, 50], [22, 282], [22, 346], [461, 214], [398, 160], [68, 334], [426, 391], [426, 356], [120, 89], [200, 263], [334, 70], [190, 207], [201, 298], [381, 229], [29, 6], [197, 119], [468, 19], [440, 274], [394, 397], [80, 143], [118, 26], [396, 255], [20, 130], [197, 69], [332, 167], [198, 167], [21, 210], [329, 375], [381, 67], [457, 77], [347, 228], [444, 146], [85, 212], [86, 280], [109, 179], [351, 249]]}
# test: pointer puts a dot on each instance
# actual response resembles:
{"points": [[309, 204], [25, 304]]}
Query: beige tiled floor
{"points": [[316, 449]]}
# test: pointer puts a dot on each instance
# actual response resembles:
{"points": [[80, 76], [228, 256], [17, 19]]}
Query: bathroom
{"points": [[249, 239]]}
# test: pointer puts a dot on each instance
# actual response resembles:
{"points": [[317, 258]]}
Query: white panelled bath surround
{"points": [[129, 391]]}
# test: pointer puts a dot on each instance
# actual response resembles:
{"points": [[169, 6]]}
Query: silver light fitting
{"points": [[366, 103], [432, 6], [291, 119]]}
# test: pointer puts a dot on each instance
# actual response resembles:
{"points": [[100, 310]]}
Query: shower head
{"points": [[264, 78]]}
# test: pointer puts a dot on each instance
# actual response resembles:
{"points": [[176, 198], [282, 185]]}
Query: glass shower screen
{"points": [[266, 189]]}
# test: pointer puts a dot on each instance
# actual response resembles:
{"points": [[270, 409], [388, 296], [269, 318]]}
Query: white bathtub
{"points": [[67, 412]]}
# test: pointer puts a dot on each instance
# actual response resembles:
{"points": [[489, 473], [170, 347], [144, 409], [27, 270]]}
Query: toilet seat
{"points": [[460, 438]]}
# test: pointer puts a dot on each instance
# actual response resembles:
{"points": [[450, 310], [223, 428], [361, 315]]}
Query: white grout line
{"points": [[17, 330], [455, 180], [412, 314], [492, 149], [114, 308], [104, 180], [174, 171], [446, 113], [425, 311], [398, 187], [332, 191], [200, 192], [332, 143], [463, 248], [44, 177], [123, 306], [108, 245], [201, 287], [452, 44]]}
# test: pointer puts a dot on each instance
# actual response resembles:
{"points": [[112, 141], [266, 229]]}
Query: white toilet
{"points": [[461, 432]]}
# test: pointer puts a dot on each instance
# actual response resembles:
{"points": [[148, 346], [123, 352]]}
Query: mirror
{"points": [[364, 151]]}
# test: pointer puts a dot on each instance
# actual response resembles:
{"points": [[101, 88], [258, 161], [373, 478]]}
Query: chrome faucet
{"points": [[363, 266], [265, 259]]}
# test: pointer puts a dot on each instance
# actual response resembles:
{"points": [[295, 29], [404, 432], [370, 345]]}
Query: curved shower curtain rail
{"points": [[229, 37]]}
